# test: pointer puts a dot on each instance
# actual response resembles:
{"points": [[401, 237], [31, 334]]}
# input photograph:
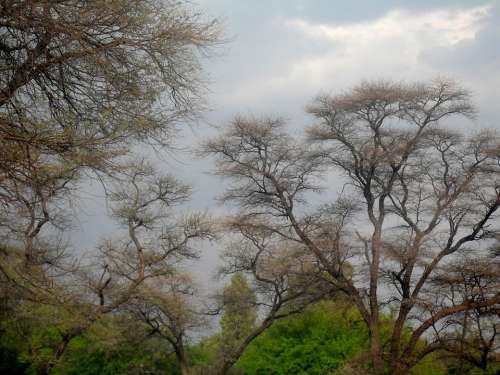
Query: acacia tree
{"points": [[90, 73], [472, 337], [440, 187], [33, 200], [283, 281], [154, 243], [157, 240], [424, 192], [33, 218], [240, 313], [80, 82], [167, 308]]}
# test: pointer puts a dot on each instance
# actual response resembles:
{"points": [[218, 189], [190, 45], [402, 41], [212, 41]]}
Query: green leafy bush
{"points": [[319, 341]]}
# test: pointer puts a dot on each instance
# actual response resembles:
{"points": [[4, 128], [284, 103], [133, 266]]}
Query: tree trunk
{"points": [[375, 345], [376, 350], [183, 363], [184, 368]]}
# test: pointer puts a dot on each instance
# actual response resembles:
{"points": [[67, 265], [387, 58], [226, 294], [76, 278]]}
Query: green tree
{"points": [[326, 338], [318, 341], [240, 314]]}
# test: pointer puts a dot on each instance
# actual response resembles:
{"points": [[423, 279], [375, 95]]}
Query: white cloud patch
{"points": [[331, 57], [438, 28], [388, 46]]}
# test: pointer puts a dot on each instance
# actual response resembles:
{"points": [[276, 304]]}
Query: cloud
{"points": [[333, 56], [439, 27], [388, 46]]}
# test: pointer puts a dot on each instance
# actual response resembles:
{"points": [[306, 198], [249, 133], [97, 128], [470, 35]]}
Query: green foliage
{"points": [[206, 355], [82, 359], [431, 365], [461, 367], [10, 361], [113, 345], [116, 345], [34, 333], [85, 357], [327, 338], [319, 341], [239, 309], [240, 313]]}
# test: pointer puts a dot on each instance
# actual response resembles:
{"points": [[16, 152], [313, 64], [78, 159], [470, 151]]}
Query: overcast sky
{"points": [[281, 53]]}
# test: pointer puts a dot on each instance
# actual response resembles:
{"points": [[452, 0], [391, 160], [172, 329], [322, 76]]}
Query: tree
{"points": [[321, 340], [419, 193], [75, 75], [154, 244], [115, 344], [31, 216], [156, 239], [240, 314], [284, 281], [165, 306], [79, 84], [441, 189], [473, 336]]}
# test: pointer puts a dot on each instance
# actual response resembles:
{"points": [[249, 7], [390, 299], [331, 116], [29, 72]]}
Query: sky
{"points": [[279, 54], [282, 53]]}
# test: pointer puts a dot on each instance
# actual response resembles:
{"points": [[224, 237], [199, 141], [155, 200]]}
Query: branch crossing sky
{"points": [[281, 53]]}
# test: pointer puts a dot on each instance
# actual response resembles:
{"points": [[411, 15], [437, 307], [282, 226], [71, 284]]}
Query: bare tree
{"points": [[155, 242], [424, 193], [156, 239], [77, 72], [473, 336], [34, 194], [167, 307], [440, 189], [284, 277], [79, 84]]}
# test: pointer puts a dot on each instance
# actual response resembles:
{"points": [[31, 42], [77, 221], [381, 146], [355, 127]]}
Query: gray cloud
{"points": [[476, 62]]}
